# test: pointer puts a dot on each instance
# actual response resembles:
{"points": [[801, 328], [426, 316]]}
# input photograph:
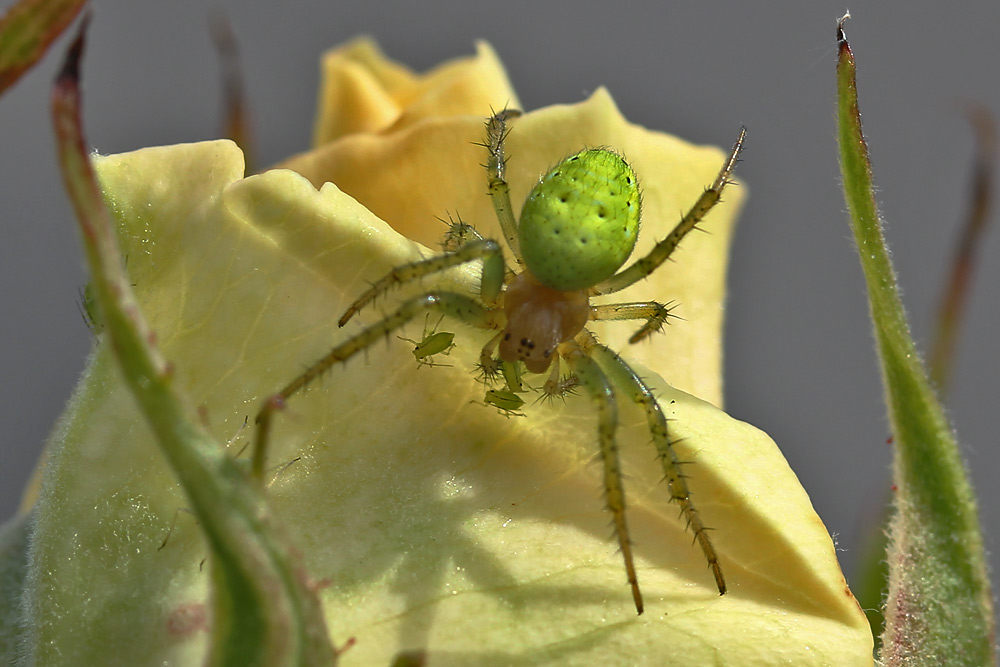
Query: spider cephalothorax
{"points": [[577, 228]]}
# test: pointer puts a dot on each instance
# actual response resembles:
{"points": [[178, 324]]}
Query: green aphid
{"points": [[504, 400], [433, 343]]}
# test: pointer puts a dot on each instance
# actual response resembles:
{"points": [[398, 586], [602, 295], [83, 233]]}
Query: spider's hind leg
{"points": [[496, 164], [646, 265], [459, 234]]}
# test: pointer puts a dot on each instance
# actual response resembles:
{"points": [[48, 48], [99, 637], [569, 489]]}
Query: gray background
{"points": [[799, 358]]}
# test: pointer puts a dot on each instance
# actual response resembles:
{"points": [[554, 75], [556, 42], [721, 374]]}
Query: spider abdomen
{"points": [[580, 222]]}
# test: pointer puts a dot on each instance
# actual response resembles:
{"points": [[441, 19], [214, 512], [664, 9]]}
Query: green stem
{"points": [[939, 607], [263, 611]]}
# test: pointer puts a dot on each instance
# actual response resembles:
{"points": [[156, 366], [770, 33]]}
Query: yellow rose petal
{"points": [[362, 91], [430, 522]]}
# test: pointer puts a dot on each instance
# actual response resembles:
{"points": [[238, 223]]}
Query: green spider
{"points": [[577, 228]]}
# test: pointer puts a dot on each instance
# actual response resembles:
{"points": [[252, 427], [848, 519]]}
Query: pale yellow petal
{"points": [[362, 91], [430, 521]]}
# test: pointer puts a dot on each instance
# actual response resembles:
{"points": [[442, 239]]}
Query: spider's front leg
{"points": [[484, 315], [623, 377], [491, 283], [457, 306], [596, 383]]}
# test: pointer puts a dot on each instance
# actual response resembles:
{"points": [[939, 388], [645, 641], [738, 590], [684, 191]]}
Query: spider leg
{"points": [[459, 234], [489, 364], [552, 385], [598, 386], [626, 379], [511, 371], [496, 163], [490, 284], [655, 314], [458, 306], [644, 266]]}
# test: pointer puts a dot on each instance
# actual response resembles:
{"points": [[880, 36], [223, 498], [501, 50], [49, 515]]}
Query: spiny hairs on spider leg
{"points": [[576, 230]]}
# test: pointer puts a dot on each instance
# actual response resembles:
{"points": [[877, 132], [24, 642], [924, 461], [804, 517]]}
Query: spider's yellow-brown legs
{"points": [[457, 306], [496, 163], [552, 385], [626, 380], [511, 371], [662, 250], [655, 314], [597, 385], [459, 233], [489, 363], [490, 284]]}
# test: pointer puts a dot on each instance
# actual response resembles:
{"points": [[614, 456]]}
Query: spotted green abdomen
{"points": [[580, 223]]}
